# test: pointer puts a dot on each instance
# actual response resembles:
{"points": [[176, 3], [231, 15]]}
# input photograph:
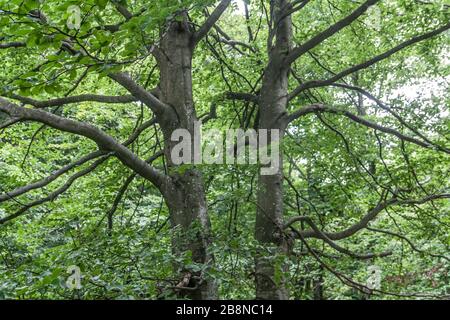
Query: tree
{"points": [[273, 70]]}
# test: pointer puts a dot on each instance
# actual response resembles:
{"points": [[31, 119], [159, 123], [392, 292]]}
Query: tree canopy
{"points": [[92, 92]]}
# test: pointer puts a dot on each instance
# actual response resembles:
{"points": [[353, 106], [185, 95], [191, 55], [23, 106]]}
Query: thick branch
{"points": [[106, 142], [74, 99], [124, 11], [364, 65], [9, 123], [56, 193], [395, 114], [146, 97]]}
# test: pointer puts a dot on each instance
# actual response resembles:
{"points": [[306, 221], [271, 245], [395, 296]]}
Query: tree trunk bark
{"points": [[184, 194], [270, 271]]}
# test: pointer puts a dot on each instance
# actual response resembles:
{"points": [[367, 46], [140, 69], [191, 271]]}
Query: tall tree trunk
{"points": [[270, 272], [184, 194]]}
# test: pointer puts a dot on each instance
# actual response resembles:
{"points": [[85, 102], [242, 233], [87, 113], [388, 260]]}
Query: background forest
{"points": [[90, 92]]}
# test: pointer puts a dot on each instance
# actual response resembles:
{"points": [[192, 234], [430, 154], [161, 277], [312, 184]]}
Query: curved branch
{"points": [[12, 45], [55, 175], [73, 99], [71, 180], [387, 109], [210, 22], [123, 189], [9, 123], [118, 199], [146, 97], [292, 8], [313, 42], [321, 108], [370, 216], [363, 288], [234, 44], [52, 196]]}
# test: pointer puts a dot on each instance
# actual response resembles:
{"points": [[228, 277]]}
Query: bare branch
{"points": [[370, 216], [146, 97], [12, 45], [118, 199], [123, 189], [321, 108], [42, 183], [335, 246], [74, 99], [395, 114], [410, 243], [54, 194]]}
